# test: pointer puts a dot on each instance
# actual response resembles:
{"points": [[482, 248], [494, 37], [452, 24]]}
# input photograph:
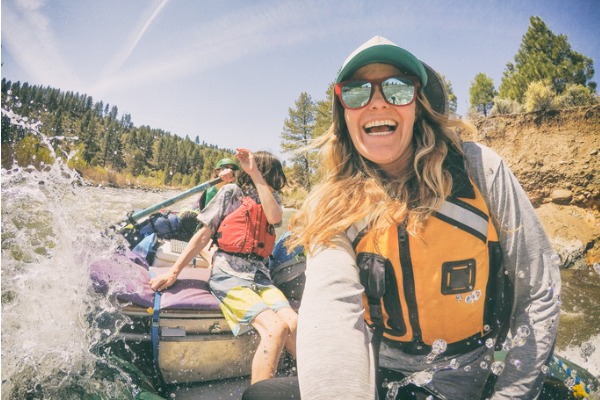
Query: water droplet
{"points": [[473, 297], [516, 363], [545, 369], [439, 346], [421, 378], [486, 328], [459, 296], [392, 392], [523, 331], [489, 343], [506, 346], [521, 274], [519, 341], [467, 368], [497, 367], [483, 365], [587, 349], [454, 364], [570, 382]]}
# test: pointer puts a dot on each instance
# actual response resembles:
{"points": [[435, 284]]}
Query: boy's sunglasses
{"points": [[396, 90]]}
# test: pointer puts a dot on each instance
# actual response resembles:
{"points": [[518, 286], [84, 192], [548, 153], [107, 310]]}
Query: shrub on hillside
{"points": [[576, 95], [540, 97], [505, 106], [31, 152], [473, 114]]}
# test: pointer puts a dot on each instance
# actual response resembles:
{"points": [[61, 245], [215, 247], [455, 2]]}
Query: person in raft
{"points": [[423, 251], [239, 276], [225, 169]]}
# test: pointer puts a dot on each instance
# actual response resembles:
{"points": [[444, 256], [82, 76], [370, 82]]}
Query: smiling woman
{"points": [[381, 131], [415, 269]]}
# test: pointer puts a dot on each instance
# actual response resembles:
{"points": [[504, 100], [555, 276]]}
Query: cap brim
{"points": [[385, 54], [435, 91]]}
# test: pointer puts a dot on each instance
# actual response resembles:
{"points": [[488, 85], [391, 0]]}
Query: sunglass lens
{"points": [[398, 91], [356, 94]]}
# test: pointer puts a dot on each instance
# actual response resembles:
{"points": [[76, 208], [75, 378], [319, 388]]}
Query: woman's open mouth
{"points": [[380, 128]]}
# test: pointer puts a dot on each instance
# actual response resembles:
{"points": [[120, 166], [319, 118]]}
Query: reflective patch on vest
{"points": [[468, 219]]}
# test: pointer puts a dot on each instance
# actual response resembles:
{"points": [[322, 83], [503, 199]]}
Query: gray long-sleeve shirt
{"points": [[335, 359]]}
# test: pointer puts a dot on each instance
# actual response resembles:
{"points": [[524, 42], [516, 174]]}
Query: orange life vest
{"points": [[246, 231], [446, 283]]}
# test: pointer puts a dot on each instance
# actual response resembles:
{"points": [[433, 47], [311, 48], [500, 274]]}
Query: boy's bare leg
{"points": [[290, 317], [273, 333]]}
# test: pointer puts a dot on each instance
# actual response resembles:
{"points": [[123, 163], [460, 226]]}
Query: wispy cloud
{"points": [[223, 40], [27, 34], [135, 38]]}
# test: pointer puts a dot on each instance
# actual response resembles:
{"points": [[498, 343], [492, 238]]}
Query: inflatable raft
{"points": [[192, 349]]}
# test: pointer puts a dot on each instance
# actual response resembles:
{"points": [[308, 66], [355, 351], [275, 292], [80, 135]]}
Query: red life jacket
{"points": [[246, 230]]}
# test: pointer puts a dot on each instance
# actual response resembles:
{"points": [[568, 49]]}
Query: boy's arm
{"points": [[272, 209], [193, 248]]}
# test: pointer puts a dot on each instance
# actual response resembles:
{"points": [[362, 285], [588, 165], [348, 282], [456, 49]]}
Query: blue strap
{"points": [[156, 329]]}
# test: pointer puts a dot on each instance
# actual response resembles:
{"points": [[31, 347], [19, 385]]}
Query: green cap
{"points": [[228, 161], [381, 50]]}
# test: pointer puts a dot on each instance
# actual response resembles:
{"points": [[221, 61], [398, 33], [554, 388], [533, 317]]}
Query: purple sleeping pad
{"points": [[127, 276]]}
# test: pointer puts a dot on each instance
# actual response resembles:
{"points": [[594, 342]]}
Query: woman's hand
{"points": [[162, 282]]}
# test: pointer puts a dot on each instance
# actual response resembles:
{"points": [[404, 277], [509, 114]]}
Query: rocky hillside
{"points": [[556, 157]]}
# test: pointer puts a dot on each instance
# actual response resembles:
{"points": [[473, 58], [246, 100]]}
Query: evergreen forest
{"points": [[91, 137]]}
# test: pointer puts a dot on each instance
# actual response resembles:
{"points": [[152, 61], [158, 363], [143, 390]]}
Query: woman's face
{"points": [[382, 132]]}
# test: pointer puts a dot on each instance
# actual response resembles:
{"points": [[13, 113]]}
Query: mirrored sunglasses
{"points": [[396, 90]]}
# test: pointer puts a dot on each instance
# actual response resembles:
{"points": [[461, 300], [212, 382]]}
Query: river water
{"points": [[56, 330]]}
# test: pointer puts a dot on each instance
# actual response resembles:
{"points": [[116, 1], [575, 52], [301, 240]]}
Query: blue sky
{"points": [[228, 71]]}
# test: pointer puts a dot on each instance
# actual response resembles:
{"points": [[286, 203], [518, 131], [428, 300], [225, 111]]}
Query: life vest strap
{"points": [[461, 347]]}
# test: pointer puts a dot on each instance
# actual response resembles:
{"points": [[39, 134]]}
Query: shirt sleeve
{"points": [[227, 199], [335, 359], [533, 268]]}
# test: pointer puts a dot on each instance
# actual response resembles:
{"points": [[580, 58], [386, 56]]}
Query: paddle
{"points": [[135, 216]]}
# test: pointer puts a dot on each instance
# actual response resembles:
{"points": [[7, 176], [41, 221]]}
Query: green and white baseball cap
{"points": [[381, 50]]}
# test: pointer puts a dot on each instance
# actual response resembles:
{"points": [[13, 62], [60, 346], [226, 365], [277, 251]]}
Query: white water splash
{"points": [[52, 322]]}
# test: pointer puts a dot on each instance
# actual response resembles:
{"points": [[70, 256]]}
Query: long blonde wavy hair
{"points": [[354, 189]]}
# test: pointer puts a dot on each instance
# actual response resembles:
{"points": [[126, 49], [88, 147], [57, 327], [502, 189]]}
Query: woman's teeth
{"points": [[379, 128]]}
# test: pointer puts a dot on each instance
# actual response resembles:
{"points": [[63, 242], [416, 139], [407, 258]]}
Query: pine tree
{"points": [[323, 116], [482, 93], [452, 99], [298, 130], [544, 56]]}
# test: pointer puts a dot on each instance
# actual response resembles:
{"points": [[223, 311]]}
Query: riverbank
{"points": [[554, 155]]}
